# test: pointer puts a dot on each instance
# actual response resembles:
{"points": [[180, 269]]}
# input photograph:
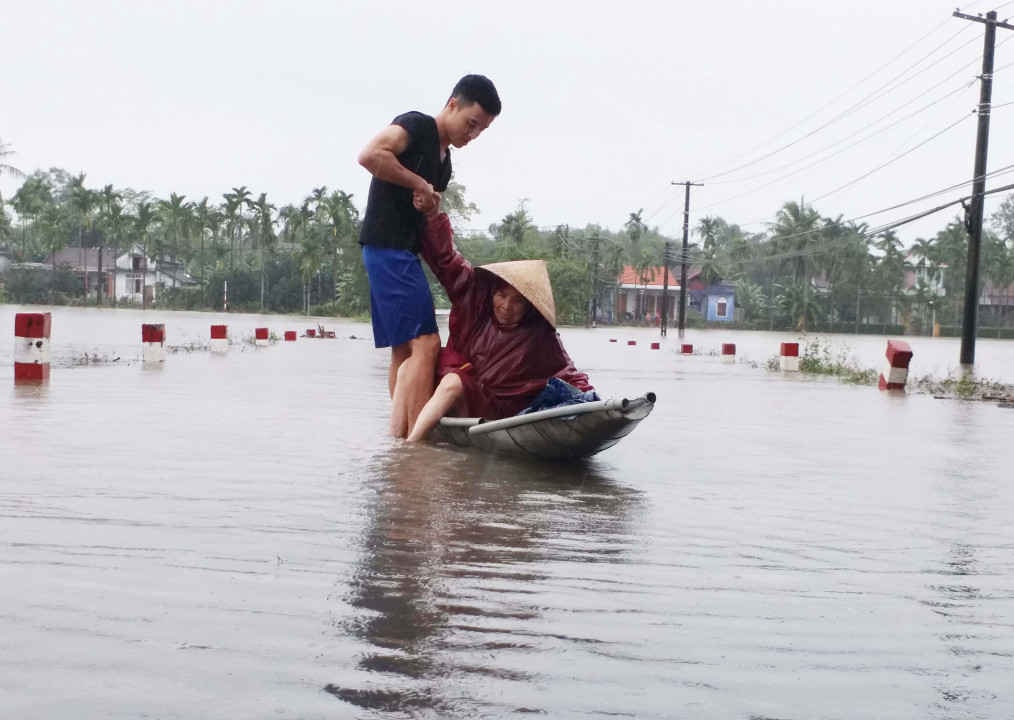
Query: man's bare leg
{"points": [[448, 392], [399, 354], [414, 383]]}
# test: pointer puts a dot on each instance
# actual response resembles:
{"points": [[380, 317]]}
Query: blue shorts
{"points": [[401, 305]]}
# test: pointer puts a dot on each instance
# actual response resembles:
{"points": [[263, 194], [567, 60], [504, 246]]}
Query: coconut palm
{"points": [[35, 193], [144, 219], [5, 168], [795, 237], [234, 219], [262, 225]]}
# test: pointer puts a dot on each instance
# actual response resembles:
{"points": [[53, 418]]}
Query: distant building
{"points": [[639, 296], [130, 276]]}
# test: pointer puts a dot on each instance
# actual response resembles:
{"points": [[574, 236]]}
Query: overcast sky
{"points": [[605, 103]]}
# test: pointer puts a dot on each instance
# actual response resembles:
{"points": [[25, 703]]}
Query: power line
{"points": [[876, 122], [824, 158], [891, 84], [895, 159]]}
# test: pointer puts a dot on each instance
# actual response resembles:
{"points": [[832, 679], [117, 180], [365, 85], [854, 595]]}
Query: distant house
{"points": [[130, 276], [639, 296]]}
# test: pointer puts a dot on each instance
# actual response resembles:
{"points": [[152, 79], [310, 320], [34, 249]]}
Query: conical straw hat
{"points": [[531, 279]]}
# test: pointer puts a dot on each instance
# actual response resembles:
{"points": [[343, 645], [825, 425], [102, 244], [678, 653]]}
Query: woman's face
{"points": [[509, 306]]}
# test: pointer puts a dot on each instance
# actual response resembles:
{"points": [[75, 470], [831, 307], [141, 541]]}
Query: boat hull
{"points": [[561, 433]]}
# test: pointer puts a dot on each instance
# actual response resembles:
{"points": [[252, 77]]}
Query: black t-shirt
{"points": [[390, 220]]}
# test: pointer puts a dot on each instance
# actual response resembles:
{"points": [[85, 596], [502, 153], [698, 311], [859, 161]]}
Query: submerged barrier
{"points": [[686, 349], [728, 352], [153, 342], [219, 338], [31, 346], [290, 336], [789, 357], [895, 375], [631, 342], [656, 346]]}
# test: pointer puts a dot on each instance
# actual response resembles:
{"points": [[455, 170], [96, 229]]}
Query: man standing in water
{"points": [[411, 158]]}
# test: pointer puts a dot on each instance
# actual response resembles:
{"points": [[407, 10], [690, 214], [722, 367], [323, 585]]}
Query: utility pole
{"points": [[682, 323], [974, 212], [666, 261], [594, 281]]}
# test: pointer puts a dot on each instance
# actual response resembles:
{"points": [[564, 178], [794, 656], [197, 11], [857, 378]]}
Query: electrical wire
{"points": [[890, 85], [895, 159]]}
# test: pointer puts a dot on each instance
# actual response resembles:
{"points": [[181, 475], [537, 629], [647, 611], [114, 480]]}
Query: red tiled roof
{"points": [[652, 276]]}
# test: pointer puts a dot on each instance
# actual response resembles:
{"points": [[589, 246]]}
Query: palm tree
{"points": [[794, 236], [635, 228], [83, 201], [709, 229], [34, 195], [234, 203], [262, 225], [5, 169], [143, 220], [108, 201], [175, 216], [6, 230]]}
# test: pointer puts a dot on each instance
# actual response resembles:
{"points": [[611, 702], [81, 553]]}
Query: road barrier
{"points": [[31, 346], [153, 342], [728, 352], [219, 338], [895, 375], [789, 357]]}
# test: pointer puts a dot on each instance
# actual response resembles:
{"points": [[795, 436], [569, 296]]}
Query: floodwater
{"points": [[234, 536]]}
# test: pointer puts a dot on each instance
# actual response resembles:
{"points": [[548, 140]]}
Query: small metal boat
{"points": [[565, 432]]}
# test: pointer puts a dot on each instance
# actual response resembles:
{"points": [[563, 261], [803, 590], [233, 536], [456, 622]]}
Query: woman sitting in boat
{"points": [[502, 346]]}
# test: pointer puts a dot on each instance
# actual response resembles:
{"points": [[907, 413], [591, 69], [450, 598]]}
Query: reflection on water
{"points": [[454, 560], [236, 536]]}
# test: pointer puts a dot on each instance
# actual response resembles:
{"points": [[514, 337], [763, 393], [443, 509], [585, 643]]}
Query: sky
{"points": [[851, 107]]}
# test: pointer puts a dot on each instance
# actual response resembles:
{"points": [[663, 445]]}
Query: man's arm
{"points": [[380, 158]]}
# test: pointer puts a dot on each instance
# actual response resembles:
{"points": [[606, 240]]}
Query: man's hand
{"points": [[426, 201]]}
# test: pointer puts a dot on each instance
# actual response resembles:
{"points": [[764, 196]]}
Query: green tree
{"points": [[5, 167], [262, 226]]}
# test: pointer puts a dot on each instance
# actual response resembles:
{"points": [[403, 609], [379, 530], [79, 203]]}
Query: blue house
{"points": [[717, 303]]}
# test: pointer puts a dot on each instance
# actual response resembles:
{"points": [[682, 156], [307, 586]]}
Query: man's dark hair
{"points": [[478, 89]]}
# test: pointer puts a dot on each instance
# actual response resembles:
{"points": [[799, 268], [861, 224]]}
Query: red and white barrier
{"points": [[686, 349], [631, 342], [219, 338], [612, 339], [789, 359], [31, 346], [728, 352], [260, 337], [311, 332], [153, 343], [899, 355], [290, 336], [656, 346]]}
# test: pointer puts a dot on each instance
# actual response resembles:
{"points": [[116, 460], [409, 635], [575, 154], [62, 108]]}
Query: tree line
{"points": [[805, 271]]}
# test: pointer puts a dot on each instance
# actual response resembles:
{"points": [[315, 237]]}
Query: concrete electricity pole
{"points": [[974, 212], [682, 323]]}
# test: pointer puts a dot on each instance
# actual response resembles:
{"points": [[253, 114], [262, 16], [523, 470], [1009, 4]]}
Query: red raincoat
{"points": [[502, 370]]}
